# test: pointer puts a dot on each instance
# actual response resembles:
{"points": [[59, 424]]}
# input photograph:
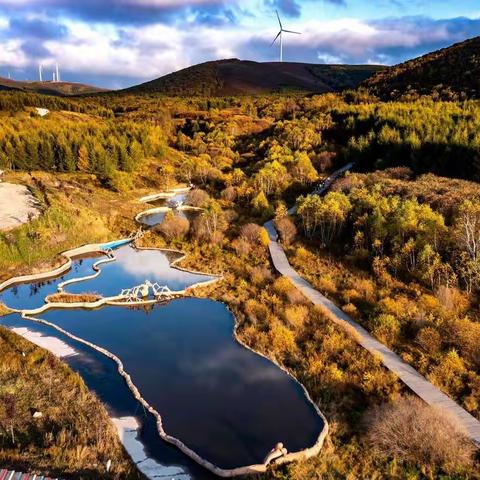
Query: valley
{"points": [[231, 294]]}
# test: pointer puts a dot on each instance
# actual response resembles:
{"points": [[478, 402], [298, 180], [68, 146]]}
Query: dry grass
{"points": [[73, 298], [74, 438], [412, 431]]}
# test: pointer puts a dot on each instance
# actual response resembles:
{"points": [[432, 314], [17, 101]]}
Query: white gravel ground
{"points": [[17, 206]]}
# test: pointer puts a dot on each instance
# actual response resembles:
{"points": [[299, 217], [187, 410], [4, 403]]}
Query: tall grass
{"points": [[59, 228]]}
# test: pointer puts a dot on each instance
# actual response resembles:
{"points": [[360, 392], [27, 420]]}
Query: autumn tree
{"points": [[323, 216], [303, 170], [174, 227]]}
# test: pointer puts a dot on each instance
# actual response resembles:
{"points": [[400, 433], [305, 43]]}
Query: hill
{"points": [[451, 72], [63, 89], [240, 77]]}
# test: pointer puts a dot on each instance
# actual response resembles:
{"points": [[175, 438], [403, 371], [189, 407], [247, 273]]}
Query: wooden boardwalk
{"points": [[12, 475], [416, 382]]}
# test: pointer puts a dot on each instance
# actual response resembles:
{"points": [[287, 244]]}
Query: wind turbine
{"points": [[280, 34]]}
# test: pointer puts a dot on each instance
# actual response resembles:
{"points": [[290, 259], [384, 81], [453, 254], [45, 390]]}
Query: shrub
{"points": [[411, 431], [260, 275], [386, 327], [174, 227], [429, 340], [197, 198], [295, 315], [250, 233], [287, 229], [241, 246]]}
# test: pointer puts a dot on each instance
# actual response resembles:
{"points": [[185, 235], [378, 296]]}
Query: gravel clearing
{"points": [[17, 206]]}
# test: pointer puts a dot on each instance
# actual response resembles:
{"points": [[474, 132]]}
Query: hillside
{"points": [[49, 88], [240, 77], [452, 72]]}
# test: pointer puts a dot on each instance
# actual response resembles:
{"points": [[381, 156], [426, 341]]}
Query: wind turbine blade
{"points": [[279, 21], [275, 39], [290, 31]]}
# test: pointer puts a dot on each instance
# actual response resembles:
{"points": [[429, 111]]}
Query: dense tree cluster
{"points": [[427, 136], [421, 271], [69, 145]]}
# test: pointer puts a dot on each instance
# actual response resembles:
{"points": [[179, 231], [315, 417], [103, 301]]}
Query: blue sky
{"points": [[118, 43]]}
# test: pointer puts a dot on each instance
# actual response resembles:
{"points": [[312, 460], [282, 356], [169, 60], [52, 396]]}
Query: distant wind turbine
{"points": [[280, 34]]}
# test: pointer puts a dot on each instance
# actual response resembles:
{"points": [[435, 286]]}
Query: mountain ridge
{"points": [[243, 77], [63, 89], [451, 72]]}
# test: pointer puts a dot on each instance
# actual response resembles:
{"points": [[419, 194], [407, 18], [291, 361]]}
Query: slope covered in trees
{"points": [[62, 89], [76, 143], [238, 77], [387, 247], [449, 73], [427, 136], [404, 261]]}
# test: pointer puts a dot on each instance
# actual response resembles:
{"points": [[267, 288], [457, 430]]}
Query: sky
{"points": [[119, 43]]}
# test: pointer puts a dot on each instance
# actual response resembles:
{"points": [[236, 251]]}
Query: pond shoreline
{"points": [[94, 248]]}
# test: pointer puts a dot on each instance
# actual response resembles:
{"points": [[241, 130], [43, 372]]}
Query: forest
{"points": [[395, 243]]}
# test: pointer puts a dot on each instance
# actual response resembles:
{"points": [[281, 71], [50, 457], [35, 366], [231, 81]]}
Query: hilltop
{"points": [[241, 77], [452, 72], [63, 89]]}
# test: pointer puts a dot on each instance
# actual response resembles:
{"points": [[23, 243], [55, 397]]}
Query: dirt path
{"points": [[17, 206]]}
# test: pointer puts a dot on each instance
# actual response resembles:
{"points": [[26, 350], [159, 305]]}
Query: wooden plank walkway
{"points": [[13, 475], [416, 382]]}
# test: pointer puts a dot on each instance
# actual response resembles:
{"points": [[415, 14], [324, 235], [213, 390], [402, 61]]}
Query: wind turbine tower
{"points": [[40, 69], [57, 73], [280, 35]]}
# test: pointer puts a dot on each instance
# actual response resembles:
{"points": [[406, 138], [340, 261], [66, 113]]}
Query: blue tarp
{"points": [[115, 244]]}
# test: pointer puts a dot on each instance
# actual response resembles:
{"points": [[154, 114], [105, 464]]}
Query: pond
{"points": [[27, 296], [132, 267], [178, 198], [155, 218], [225, 402], [101, 376]]}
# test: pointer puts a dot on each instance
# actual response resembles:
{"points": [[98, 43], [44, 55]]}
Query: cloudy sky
{"points": [[118, 43]]}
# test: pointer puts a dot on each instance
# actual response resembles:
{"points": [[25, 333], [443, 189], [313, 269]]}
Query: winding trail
{"points": [[416, 382]]}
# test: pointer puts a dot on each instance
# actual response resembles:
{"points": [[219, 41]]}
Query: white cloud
{"points": [[11, 54], [145, 52]]}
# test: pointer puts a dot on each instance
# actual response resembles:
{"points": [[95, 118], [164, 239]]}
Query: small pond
{"points": [[155, 218], [27, 296], [225, 402], [132, 267]]}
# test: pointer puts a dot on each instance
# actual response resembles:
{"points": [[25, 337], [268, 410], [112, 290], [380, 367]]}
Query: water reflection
{"points": [[101, 376], [227, 403], [131, 268], [28, 296]]}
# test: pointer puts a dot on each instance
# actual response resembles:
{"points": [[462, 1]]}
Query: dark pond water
{"points": [[131, 268], [31, 295], [227, 403], [101, 376]]}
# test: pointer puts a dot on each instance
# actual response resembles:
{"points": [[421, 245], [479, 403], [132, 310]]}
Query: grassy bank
{"points": [[73, 438]]}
